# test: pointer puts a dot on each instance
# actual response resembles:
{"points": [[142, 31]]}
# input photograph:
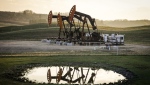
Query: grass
{"points": [[18, 28], [139, 65], [6, 24], [133, 35], [29, 32]]}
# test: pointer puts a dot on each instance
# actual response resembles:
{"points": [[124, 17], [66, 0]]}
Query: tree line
{"points": [[30, 17]]}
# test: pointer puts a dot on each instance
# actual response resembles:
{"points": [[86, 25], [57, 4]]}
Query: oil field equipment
{"points": [[73, 75], [75, 28], [76, 31]]}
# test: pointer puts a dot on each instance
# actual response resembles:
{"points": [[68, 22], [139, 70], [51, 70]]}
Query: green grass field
{"points": [[29, 32], [133, 35], [139, 65]]}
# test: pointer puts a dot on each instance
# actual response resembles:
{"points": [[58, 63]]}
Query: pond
{"points": [[71, 75]]}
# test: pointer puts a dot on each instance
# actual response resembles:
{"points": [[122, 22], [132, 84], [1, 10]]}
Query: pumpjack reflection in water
{"points": [[72, 75], [68, 77]]}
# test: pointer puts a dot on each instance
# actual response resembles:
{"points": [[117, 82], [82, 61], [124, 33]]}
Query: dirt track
{"points": [[14, 46], [36, 46]]}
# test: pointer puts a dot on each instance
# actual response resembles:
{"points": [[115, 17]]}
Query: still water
{"points": [[72, 75]]}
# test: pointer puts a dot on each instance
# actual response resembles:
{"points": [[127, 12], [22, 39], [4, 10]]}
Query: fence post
{"points": [[117, 50]]}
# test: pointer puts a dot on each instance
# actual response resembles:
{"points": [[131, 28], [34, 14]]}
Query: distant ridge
{"points": [[22, 18]]}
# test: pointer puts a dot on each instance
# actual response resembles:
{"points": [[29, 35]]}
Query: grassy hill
{"points": [[27, 32], [23, 18], [126, 23], [135, 35]]}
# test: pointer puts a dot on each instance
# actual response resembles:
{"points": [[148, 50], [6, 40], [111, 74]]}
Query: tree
{"points": [[28, 12]]}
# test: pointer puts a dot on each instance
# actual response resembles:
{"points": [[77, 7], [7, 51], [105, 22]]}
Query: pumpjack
{"points": [[78, 31], [73, 75]]}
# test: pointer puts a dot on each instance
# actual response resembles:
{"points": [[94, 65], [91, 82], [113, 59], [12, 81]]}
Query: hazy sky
{"points": [[101, 9]]}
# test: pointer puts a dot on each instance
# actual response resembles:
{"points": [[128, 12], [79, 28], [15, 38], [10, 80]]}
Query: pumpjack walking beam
{"points": [[70, 19], [73, 13], [78, 15]]}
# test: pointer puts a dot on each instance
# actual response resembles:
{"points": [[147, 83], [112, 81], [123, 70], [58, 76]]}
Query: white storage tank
{"points": [[106, 37], [120, 39]]}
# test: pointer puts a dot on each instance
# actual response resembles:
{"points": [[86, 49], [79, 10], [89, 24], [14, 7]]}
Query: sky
{"points": [[99, 9]]}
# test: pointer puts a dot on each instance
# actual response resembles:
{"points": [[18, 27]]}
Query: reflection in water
{"points": [[72, 75]]}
